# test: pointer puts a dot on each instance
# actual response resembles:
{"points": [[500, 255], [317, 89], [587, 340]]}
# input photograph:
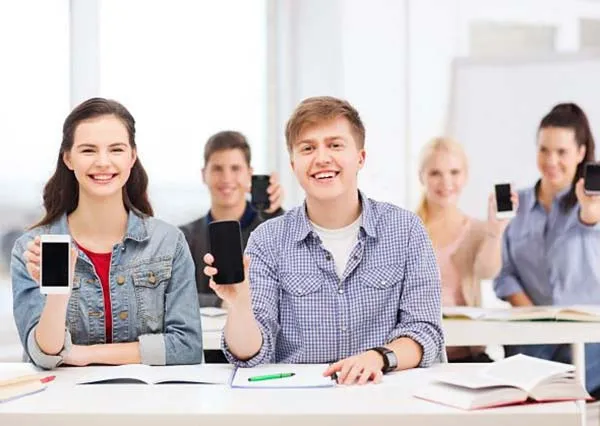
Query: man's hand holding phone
{"points": [[237, 294]]}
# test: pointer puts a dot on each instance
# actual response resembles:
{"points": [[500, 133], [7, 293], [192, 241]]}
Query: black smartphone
{"points": [[260, 197], [225, 238], [591, 179], [504, 205]]}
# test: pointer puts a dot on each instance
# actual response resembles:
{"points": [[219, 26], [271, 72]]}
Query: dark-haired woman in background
{"points": [[551, 249], [133, 293]]}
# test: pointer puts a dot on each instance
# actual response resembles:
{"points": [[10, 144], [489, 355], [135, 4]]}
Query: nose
{"points": [[322, 155], [102, 159]]}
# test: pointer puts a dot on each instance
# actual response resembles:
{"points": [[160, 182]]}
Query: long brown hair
{"points": [[571, 116], [61, 193]]}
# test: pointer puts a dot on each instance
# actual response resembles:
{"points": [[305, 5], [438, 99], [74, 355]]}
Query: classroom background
{"points": [[483, 71]]}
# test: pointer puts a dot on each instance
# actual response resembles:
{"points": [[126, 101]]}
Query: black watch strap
{"points": [[390, 361]]}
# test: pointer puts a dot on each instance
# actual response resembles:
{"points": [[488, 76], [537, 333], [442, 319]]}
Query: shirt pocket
{"points": [[149, 285], [301, 300], [381, 288]]}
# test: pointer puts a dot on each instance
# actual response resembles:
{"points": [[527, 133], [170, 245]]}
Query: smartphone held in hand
{"points": [[591, 179], [504, 204], [55, 264], [260, 197], [225, 238]]}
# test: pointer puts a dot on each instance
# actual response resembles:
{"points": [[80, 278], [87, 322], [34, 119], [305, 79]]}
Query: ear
{"points": [[362, 156], [203, 171], [581, 153], [133, 157], [67, 160]]}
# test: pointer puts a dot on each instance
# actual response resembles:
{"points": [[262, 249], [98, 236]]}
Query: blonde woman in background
{"points": [[468, 250]]}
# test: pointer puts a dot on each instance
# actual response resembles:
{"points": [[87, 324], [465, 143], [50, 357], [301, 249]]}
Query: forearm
{"points": [[489, 257], [109, 354], [408, 352], [242, 334], [519, 299], [50, 330]]}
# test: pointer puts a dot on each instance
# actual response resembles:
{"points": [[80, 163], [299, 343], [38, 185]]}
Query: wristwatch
{"points": [[390, 361]]}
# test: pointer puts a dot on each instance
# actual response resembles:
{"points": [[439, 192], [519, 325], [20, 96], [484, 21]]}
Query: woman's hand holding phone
{"points": [[32, 259], [233, 295], [496, 226], [275, 192], [589, 204]]}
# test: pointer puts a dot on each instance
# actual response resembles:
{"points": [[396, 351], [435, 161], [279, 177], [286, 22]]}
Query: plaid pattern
{"points": [[390, 288]]}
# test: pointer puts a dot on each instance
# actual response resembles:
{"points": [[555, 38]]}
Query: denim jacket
{"points": [[152, 290]]}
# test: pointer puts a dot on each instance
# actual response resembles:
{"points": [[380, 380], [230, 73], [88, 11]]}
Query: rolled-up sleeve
{"points": [[264, 290], [419, 316], [28, 303], [181, 342], [507, 282]]}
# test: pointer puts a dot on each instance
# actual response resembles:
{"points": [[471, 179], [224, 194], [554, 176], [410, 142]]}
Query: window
{"points": [[185, 70]]}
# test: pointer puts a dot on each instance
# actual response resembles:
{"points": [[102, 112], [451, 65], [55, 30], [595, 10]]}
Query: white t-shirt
{"points": [[339, 242]]}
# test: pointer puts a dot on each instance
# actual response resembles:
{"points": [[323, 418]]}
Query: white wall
{"points": [[392, 59]]}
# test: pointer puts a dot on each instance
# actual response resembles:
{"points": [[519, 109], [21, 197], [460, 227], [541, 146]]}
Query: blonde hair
{"points": [[439, 144]]}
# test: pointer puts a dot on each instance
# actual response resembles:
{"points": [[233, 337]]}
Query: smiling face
{"points": [[444, 176], [101, 157], [558, 156], [326, 159], [228, 177]]}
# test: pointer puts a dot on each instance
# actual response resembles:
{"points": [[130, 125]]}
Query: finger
{"points": [[354, 373], [74, 255], [33, 247], [333, 368], [34, 272], [272, 188], [208, 259], [209, 271], [364, 377], [30, 257], [579, 192], [345, 369], [275, 196], [378, 376], [274, 178]]}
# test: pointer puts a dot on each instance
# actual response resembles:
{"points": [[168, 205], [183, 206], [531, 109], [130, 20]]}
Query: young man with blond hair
{"points": [[342, 279]]}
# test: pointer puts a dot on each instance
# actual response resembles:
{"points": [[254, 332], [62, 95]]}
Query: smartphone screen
{"points": [[260, 197], [591, 180], [503, 201], [54, 264], [226, 248]]}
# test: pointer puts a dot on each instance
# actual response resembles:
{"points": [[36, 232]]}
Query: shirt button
{"points": [[344, 328], [90, 281], [327, 257], [152, 278], [341, 291], [123, 315], [383, 282], [120, 280]]}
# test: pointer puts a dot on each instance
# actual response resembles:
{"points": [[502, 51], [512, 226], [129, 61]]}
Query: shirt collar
{"points": [[303, 228], [534, 194], [245, 221], [136, 227]]}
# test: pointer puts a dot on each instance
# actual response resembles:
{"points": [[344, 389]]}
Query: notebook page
{"points": [[305, 376]]}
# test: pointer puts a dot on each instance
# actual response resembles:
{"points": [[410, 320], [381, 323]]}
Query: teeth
{"points": [[102, 177], [325, 175]]}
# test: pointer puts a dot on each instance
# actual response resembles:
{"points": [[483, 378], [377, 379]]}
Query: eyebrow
{"points": [[112, 145], [328, 139]]}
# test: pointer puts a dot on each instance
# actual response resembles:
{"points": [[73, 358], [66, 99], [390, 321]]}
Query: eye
{"points": [[306, 148], [87, 151], [454, 172], [434, 173], [118, 150], [562, 152], [235, 168]]}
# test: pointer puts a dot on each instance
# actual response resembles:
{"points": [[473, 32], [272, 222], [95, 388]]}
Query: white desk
{"points": [[65, 404], [481, 333]]}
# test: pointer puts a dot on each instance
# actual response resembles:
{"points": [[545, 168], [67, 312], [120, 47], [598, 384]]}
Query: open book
{"points": [[138, 373], [19, 379], [512, 380], [586, 313], [282, 376]]}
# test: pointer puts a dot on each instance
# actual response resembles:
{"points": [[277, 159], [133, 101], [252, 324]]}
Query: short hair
{"points": [[319, 109], [226, 140]]}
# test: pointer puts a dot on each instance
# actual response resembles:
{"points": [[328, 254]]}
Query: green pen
{"points": [[270, 377]]}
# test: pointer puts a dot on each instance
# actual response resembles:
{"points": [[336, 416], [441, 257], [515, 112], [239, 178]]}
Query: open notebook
{"points": [[294, 376], [512, 380], [585, 313], [138, 373], [17, 380]]}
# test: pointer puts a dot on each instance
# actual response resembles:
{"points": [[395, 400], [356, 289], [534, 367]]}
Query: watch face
{"points": [[392, 361]]}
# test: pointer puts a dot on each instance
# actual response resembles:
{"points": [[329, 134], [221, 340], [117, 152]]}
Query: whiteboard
{"points": [[496, 107]]}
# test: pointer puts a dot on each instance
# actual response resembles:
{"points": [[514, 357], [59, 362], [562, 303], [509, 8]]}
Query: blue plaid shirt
{"points": [[389, 289]]}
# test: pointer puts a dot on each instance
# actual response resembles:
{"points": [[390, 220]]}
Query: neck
{"points": [[228, 212], [437, 213], [336, 213], [101, 219], [548, 192]]}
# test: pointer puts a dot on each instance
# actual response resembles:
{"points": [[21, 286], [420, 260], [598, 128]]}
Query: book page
{"points": [[200, 373], [522, 313], [525, 372], [120, 373], [305, 376], [580, 313], [463, 312]]}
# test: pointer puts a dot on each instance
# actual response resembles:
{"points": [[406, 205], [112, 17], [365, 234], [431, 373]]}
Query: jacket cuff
{"points": [[152, 349], [42, 359]]}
